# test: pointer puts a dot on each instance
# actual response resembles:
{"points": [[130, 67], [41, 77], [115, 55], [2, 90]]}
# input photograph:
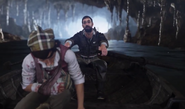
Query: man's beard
{"points": [[88, 29]]}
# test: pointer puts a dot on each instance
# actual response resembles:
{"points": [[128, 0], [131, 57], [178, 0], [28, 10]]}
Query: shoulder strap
{"points": [[39, 71]]}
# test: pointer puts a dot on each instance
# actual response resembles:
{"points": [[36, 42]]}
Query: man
{"points": [[89, 42], [47, 73]]}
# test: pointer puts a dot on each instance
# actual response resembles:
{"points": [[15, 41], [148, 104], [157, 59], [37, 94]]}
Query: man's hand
{"points": [[103, 50], [67, 44]]}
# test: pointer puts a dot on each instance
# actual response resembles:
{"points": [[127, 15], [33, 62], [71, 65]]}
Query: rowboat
{"points": [[129, 85]]}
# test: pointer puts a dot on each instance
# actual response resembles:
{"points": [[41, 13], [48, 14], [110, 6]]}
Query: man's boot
{"points": [[100, 92]]}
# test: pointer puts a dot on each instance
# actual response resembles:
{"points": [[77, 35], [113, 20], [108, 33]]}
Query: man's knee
{"points": [[30, 101], [101, 66], [23, 104], [60, 100]]}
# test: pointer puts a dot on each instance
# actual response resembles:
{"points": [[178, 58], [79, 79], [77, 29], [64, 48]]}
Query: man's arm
{"points": [[103, 50], [28, 75], [103, 44], [80, 95], [76, 75], [72, 41]]}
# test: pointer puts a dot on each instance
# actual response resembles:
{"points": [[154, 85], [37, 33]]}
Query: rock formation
{"points": [[160, 22]]}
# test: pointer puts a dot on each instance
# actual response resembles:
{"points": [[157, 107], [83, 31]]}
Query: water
{"points": [[157, 54], [15, 51]]}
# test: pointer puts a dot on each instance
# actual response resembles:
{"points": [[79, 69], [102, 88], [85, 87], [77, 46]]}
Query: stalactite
{"points": [[2, 9], [58, 14], [112, 16], [47, 2], [120, 9], [29, 23], [7, 12], [2, 35], [32, 20], [117, 12], [25, 11], [47, 5], [17, 8], [111, 7], [127, 35], [44, 20], [161, 23], [154, 4], [127, 20], [178, 23], [150, 22], [41, 16], [143, 14], [73, 11], [174, 13], [58, 9], [138, 19], [49, 17], [10, 3], [66, 14], [33, 15]]}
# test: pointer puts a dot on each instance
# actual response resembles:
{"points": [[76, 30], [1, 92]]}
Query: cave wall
{"points": [[160, 22]]}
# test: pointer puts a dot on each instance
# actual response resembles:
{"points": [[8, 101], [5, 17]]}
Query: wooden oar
{"points": [[141, 60]]}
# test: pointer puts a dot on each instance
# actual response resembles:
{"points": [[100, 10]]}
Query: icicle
{"points": [[17, 8], [120, 9], [2, 35], [138, 19], [2, 9], [174, 13], [127, 13], [46, 1], [49, 17], [11, 3], [154, 4], [92, 11], [177, 28], [29, 24], [127, 35], [58, 14], [143, 14], [161, 23], [73, 11], [41, 16], [117, 13], [33, 15], [66, 14], [44, 20], [178, 17], [112, 16], [25, 12], [7, 12], [109, 5], [150, 22]]}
